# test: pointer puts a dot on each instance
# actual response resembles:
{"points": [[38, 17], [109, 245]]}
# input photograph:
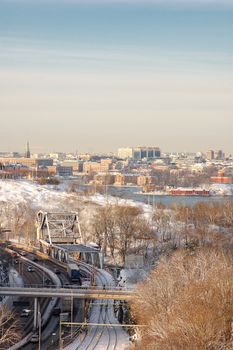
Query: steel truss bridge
{"points": [[59, 236]]}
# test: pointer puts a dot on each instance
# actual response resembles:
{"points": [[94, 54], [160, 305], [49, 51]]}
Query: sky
{"points": [[95, 75]]}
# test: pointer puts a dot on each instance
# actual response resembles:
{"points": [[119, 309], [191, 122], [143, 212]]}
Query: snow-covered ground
{"points": [[17, 192], [49, 198], [101, 337], [128, 278], [103, 200], [14, 193], [15, 280], [26, 192], [221, 190]]}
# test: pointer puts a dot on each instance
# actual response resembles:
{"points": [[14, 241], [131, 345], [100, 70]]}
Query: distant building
{"points": [[91, 167], [125, 153], [144, 180], [221, 178], [104, 178], [215, 155], [219, 155], [126, 179], [15, 154], [138, 153], [85, 157], [64, 171], [22, 160], [210, 154], [57, 155], [44, 162], [95, 167]]}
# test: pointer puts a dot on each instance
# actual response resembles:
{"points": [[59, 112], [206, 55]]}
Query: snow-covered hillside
{"points": [[48, 198], [221, 190], [36, 196]]}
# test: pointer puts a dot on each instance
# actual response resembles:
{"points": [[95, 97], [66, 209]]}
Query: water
{"points": [[133, 193]]}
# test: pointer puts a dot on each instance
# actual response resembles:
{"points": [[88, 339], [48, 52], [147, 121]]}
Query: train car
{"points": [[74, 273]]}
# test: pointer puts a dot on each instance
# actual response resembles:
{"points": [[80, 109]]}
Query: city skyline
{"points": [[97, 77], [27, 151]]}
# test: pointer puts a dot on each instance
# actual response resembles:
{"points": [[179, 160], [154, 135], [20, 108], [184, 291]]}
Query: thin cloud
{"points": [[152, 2]]}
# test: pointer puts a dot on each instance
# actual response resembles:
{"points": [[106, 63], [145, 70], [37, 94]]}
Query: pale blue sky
{"points": [[98, 76]]}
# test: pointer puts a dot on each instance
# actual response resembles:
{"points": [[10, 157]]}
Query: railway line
{"points": [[101, 312]]}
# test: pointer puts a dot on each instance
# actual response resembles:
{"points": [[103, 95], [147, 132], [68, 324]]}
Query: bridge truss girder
{"points": [[60, 227]]}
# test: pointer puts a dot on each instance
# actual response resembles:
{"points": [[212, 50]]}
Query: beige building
{"points": [[91, 167], [125, 153], [30, 162], [104, 179], [125, 179]]}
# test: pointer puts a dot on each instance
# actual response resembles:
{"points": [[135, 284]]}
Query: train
{"points": [[74, 273]]}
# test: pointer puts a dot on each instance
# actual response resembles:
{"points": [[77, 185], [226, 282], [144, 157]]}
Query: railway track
{"points": [[99, 337], [96, 337]]}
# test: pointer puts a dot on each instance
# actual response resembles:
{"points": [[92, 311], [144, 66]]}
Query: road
{"points": [[37, 277], [50, 331], [106, 338]]}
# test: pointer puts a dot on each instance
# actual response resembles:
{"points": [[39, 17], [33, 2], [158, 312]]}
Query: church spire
{"points": [[28, 153]]}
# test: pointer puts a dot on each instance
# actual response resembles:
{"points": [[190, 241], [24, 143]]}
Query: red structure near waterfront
{"points": [[190, 192], [221, 178]]}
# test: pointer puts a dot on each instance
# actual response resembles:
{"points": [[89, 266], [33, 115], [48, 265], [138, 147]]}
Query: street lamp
{"points": [[60, 336], [53, 336], [39, 325], [72, 310]]}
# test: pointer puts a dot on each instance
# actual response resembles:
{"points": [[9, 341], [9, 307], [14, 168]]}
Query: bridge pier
{"points": [[35, 320]]}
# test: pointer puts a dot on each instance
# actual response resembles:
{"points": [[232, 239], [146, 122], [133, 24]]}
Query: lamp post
{"points": [[60, 336], [39, 325], [72, 310]]}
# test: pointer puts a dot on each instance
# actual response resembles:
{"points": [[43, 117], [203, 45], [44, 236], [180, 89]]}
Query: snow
{"points": [[14, 280], [13, 193], [101, 311], [221, 189], [128, 278], [26, 192], [49, 198], [103, 200]]}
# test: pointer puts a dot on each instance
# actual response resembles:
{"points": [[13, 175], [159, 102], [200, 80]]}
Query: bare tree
{"points": [[9, 328], [187, 303], [104, 228], [129, 227]]}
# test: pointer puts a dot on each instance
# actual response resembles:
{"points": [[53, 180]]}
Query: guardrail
{"points": [[65, 287], [66, 292]]}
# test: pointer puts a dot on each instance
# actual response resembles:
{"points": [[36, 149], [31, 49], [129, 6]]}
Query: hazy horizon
{"points": [[100, 76]]}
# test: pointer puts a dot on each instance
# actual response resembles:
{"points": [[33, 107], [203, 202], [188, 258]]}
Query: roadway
{"points": [[37, 277], [50, 330]]}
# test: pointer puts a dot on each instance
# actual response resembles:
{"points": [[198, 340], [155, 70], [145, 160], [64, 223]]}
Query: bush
{"points": [[187, 303], [48, 181]]}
